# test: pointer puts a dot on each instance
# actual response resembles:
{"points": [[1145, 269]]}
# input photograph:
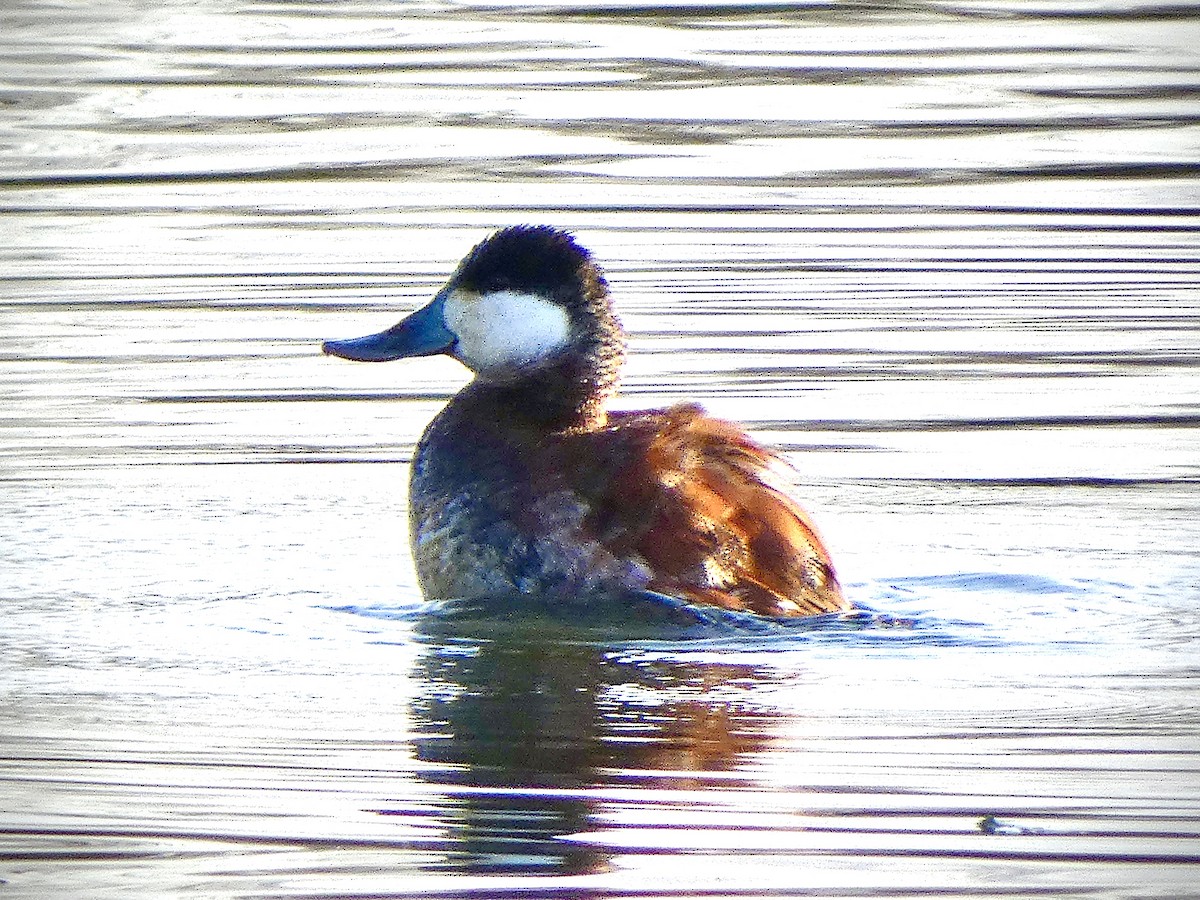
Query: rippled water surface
{"points": [[945, 255]]}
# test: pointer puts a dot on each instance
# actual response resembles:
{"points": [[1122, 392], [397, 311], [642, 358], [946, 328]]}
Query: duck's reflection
{"points": [[526, 733]]}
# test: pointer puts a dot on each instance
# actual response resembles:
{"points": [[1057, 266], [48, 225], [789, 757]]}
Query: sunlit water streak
{"points": [[944, 255]]}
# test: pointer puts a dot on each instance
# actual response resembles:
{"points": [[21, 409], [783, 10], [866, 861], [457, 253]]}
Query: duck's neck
{"points": [[569, 396]]}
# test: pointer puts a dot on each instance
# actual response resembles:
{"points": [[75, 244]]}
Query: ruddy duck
{"points": [[525, 487]]}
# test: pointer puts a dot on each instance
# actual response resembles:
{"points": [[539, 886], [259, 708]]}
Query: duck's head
{"points": [[527, 304]]}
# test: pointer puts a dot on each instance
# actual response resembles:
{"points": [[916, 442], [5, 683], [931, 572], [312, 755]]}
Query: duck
{"points": [[527, 488]]}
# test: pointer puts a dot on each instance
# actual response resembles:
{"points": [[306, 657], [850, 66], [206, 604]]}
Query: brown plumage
{"points": [[690, 496]]}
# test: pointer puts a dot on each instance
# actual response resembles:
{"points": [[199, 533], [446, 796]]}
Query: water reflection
{"points": [[525, 733]]}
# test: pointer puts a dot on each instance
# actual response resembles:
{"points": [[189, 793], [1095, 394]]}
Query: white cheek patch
{"points": [[505, 328]]}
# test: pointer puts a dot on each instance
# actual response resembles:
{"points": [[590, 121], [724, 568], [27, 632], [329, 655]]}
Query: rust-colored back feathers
{"points": [[689, 498]]}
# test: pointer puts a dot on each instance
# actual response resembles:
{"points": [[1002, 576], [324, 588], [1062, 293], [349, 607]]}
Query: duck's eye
{"points": [[505, 329]]}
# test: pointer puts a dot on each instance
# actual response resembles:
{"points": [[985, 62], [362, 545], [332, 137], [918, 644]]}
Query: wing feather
{"points": [[693, 497]]}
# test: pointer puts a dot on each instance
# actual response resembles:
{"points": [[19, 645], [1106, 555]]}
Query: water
{"points": [[945, 255]]}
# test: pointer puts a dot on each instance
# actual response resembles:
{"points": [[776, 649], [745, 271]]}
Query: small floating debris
{"points": [[992, 825]]}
